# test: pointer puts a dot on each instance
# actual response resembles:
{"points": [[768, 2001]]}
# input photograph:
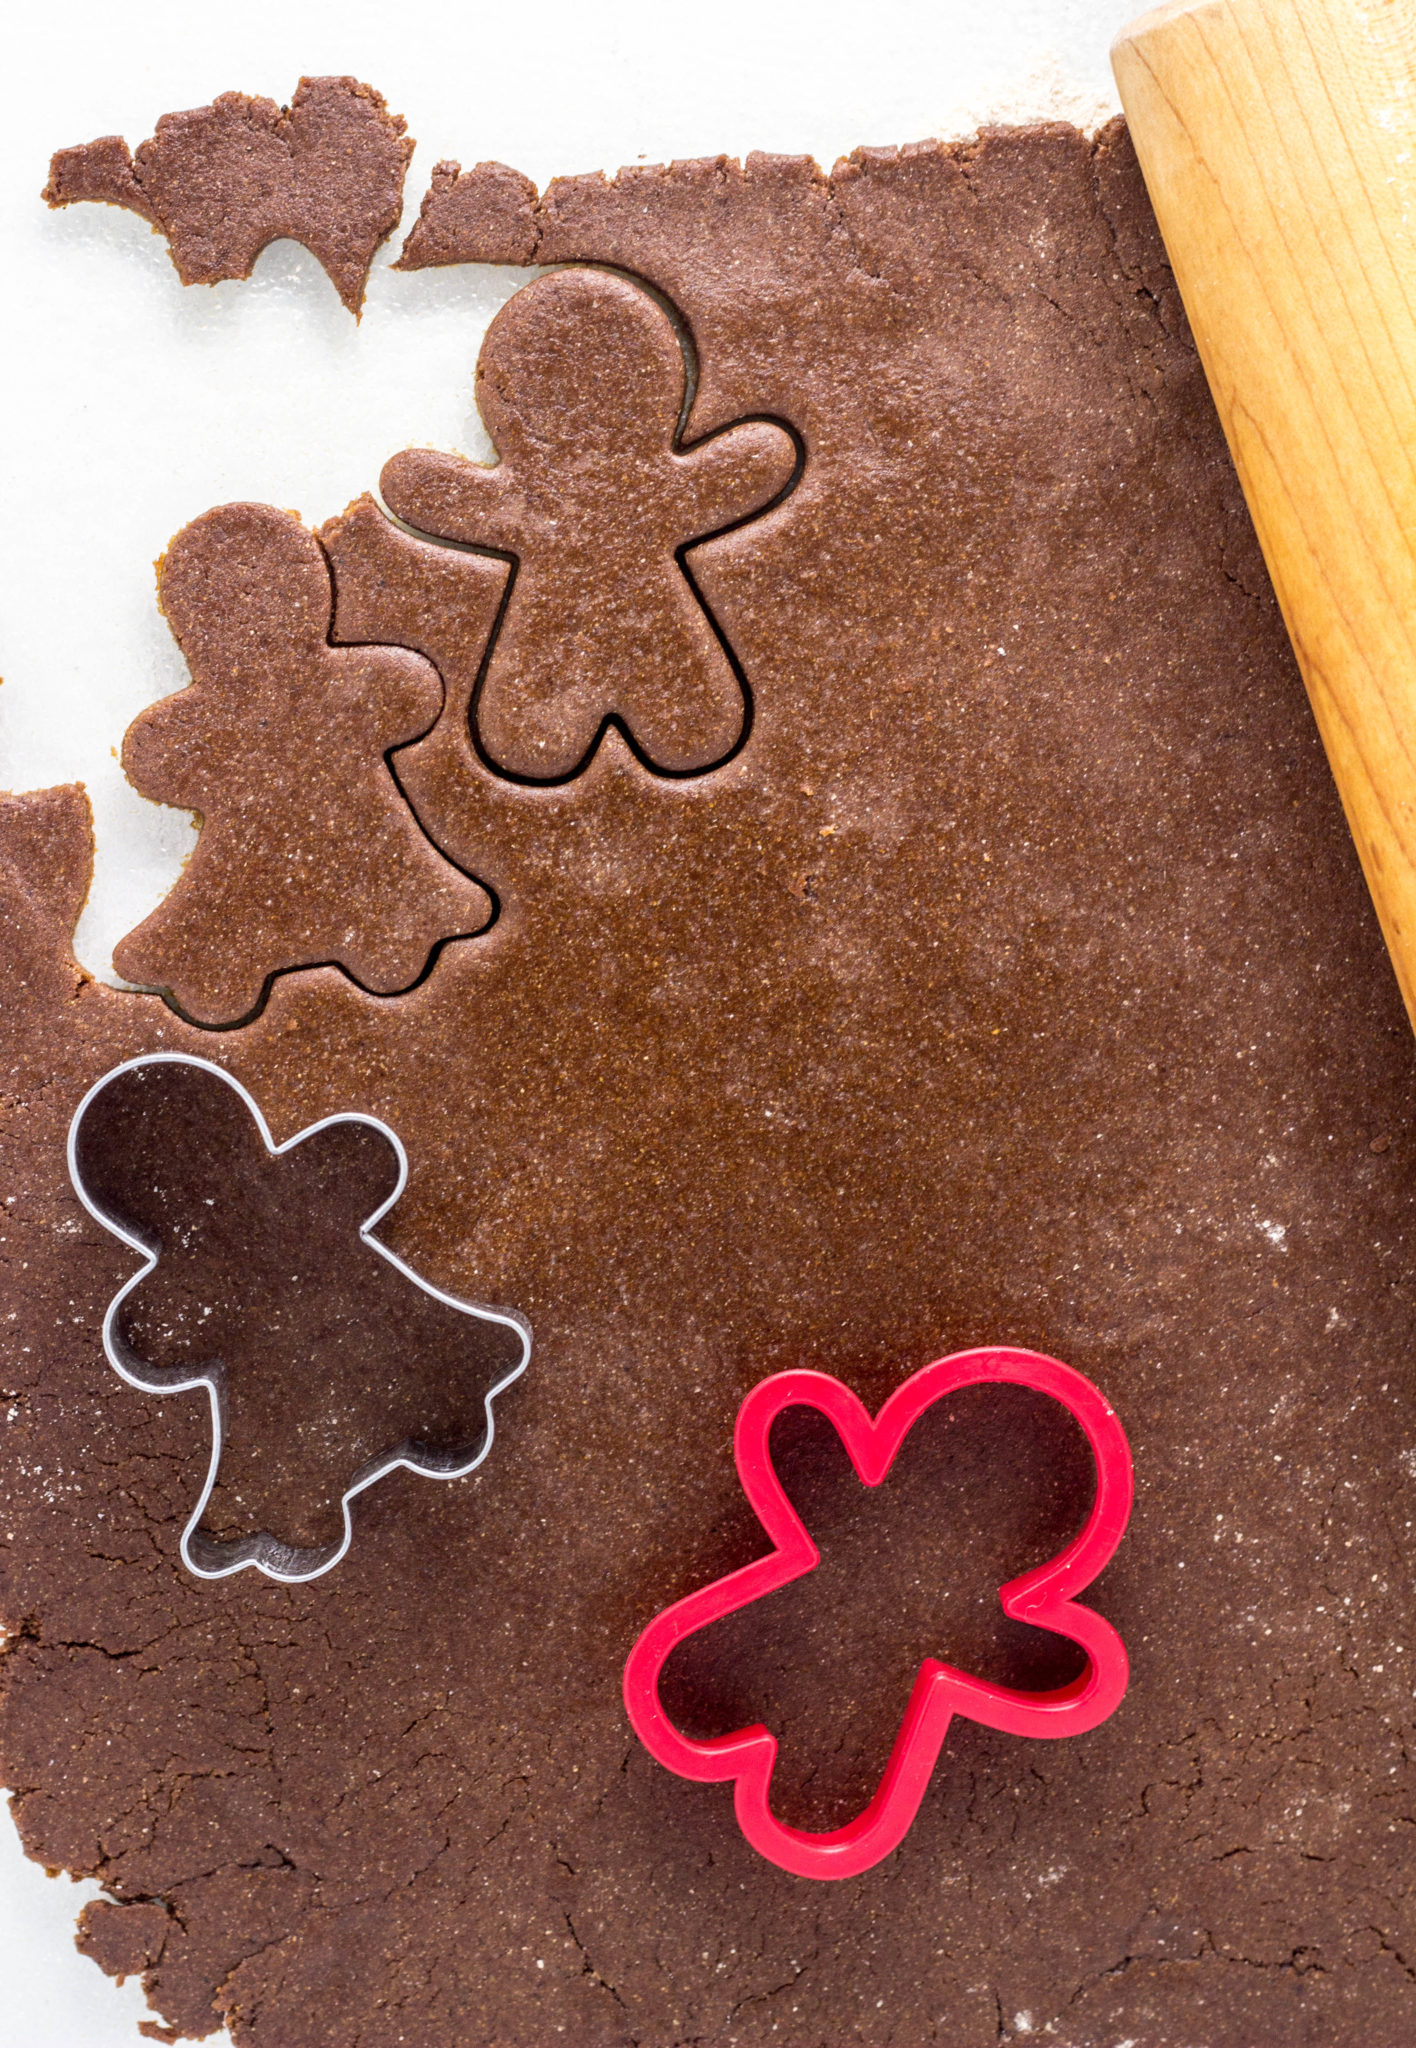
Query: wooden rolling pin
{"points": [[1278, 140]]}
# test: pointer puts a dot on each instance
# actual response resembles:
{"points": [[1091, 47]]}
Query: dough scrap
{"points": [[220, 182]]}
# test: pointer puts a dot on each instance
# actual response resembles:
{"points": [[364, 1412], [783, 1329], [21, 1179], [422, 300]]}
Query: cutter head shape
{"points": [[278, 1559], [1044, 1597]]}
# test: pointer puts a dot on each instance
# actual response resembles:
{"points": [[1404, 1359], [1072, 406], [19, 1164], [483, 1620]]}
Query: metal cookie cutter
{"points": [[283, 1561], [1043, 1597]]}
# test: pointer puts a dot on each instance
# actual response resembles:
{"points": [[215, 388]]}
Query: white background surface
{"points": [[130, 404]]}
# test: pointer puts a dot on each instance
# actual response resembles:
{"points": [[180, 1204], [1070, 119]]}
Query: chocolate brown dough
{"points": [[580, 383], [308, 850], [1014, 982], [222, 181], [124, 1940], [490, 208], [326, 1370]]}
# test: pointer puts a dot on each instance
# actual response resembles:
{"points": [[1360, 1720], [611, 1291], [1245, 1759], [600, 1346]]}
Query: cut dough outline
{"points": [[287, 1563], [680, 445], [197, 681]]}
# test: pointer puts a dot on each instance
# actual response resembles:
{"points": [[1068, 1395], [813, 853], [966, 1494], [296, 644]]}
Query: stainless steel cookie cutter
{"points": [[286, 1562]]}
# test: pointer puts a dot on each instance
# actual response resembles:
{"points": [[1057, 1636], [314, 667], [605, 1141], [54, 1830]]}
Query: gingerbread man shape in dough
{"points": [[309, 852], [581, 383], [327, 1361]]}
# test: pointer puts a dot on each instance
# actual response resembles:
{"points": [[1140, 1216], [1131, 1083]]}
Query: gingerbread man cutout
{"points": [[327, 1361], [581, 383], [309, 852]]}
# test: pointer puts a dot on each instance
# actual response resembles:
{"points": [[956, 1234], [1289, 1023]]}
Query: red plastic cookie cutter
{"points": [[1043, 1597]]}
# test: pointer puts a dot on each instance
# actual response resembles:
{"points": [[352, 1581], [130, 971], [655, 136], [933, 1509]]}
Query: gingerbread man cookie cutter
{"points": [[288, 1563], [1044, 1596]]}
